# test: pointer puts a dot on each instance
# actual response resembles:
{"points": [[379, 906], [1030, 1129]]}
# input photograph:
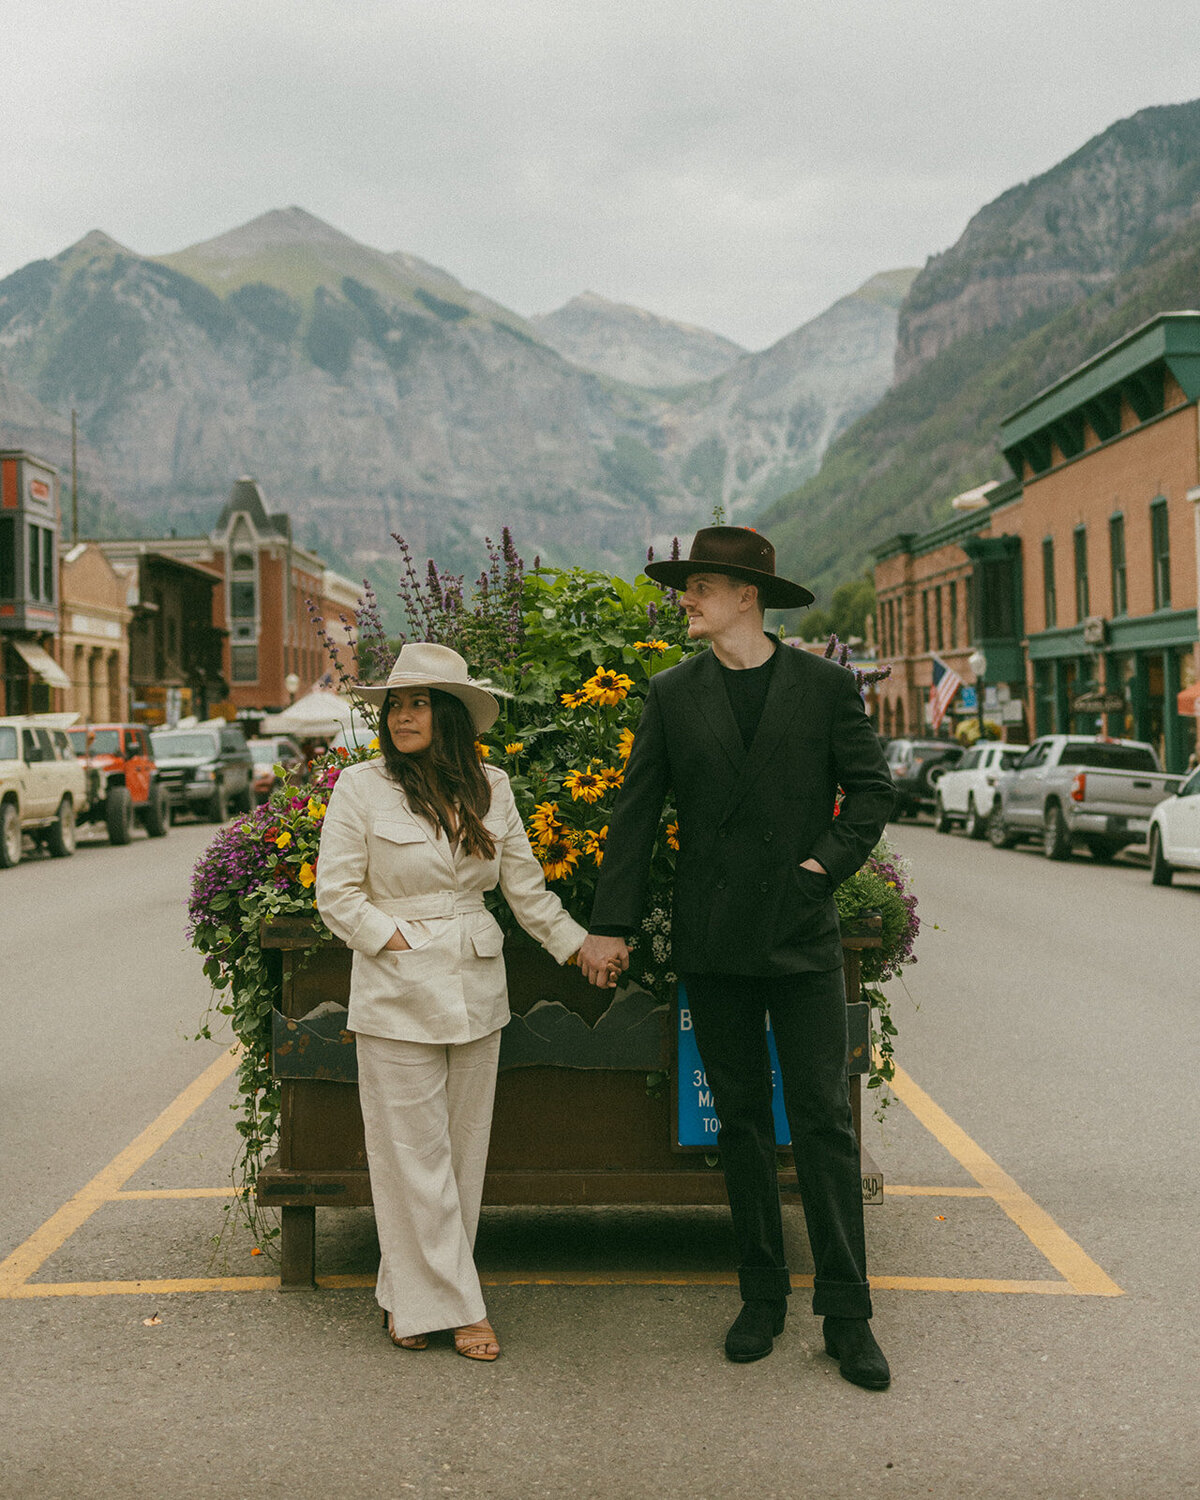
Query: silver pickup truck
{"points": [[1069, 786]]}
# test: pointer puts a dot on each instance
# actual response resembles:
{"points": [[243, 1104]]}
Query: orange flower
{"points": [[673, 835]]}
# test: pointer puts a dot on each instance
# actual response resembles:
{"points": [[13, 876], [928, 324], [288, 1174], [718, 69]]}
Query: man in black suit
{"points": [[754, 739]]}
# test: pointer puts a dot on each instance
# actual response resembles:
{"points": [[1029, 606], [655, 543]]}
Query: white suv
{"points": [[42, 785], [965, 795]]}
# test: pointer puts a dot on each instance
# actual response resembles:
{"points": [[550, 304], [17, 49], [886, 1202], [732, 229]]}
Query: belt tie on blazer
{"points": [[435, 904]]}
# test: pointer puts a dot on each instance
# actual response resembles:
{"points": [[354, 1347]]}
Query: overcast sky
{"points": [[740, 166]]}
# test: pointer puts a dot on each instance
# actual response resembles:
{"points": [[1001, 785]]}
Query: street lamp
{"points": [[292, 683], [977, 662]]}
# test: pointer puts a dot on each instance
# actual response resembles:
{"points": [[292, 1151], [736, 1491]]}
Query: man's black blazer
{"points": [[747, 818]]}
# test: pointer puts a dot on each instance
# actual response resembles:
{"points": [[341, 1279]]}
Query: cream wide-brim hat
{"points": [[423, 664]]}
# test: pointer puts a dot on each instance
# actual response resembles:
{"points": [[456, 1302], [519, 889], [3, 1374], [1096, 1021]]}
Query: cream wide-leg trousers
{"points": [[427, 1113]]}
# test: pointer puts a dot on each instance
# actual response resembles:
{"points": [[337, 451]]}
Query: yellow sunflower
{"points": [[515, 748], [625, 743], [585, 785], [574, 700], [545, 822], [559, 857], [593, 843], [650, 645], [607, 688], [673, 835], [612, 777], [483, 750]]}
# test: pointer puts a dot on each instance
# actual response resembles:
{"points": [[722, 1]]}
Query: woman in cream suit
{"points": [[410, 843]]}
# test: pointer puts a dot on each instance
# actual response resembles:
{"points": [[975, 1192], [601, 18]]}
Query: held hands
{"points": [[603, 959]]}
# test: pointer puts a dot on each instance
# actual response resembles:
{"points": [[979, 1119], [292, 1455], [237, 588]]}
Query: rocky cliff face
{"points": [[1053, 241], [372, 392], [633, 345]]}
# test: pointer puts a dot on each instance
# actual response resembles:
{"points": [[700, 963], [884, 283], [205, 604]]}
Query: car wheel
{"points": [[118, 815], [1056, 837], [975, 826], [941, 819], [998, 832], [60, 839], [10, 836], [218, 807], [1161, 873], [154, 818]]}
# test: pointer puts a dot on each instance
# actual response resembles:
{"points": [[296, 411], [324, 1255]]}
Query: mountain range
{"points": [[371, 392]]}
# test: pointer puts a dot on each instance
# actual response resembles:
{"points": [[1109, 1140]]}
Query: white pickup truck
{"points": [[1069, 786]]}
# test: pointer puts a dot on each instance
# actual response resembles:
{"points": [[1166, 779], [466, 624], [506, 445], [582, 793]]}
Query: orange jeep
{"points": [[122, 778]]}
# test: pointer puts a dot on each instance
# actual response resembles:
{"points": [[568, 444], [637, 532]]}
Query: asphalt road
{"points": [[1049, 1016]]}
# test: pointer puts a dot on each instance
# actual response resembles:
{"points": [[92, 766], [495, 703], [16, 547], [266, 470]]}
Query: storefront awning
{"points": [[1188, 702], [42, 663]]}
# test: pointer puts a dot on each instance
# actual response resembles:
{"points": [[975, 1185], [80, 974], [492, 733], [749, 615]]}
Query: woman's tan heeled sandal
{"points": [[410, 1341], [477, 1341]]}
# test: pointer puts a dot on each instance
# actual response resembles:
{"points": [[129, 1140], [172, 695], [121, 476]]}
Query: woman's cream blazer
{"points": [[381, 868]]}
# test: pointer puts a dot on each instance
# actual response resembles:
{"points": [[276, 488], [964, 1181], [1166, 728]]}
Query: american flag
{"points": [[946, 683]]}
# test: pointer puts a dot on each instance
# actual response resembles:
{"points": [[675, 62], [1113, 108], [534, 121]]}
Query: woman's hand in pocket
{"points": [[396, 943]]}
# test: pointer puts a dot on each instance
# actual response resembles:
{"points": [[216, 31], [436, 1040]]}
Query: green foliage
{"points": [[703, 470], [853, 605], [276, 315], [331, 333], [633, 468]]}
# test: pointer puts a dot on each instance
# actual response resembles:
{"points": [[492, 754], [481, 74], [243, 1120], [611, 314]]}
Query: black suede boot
{"points": [[752, 1331], [851, 1342]]}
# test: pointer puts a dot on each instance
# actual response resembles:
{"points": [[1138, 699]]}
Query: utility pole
{"points": [[74, 483]]}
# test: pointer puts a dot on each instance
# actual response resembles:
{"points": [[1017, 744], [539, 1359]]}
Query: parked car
{"points": [[916, 766], [42, 786], [267, 754], [206, 769], [1175, 832], [965, 794], [1069, 786], [123, 781]]}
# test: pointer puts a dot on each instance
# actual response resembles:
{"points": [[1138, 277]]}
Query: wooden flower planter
{"points": [[579, 1117]]}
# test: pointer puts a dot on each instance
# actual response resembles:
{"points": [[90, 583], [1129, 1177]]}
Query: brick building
{"points": [[1108, 458], [1077, 578], [29, 584], [945, 593], [262, 582]]}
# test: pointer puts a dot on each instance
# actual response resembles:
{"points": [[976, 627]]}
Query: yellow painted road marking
{"points": [[1068, 1258], [128, 1195], [27, 1259], [166, 1286], [1083, 1276]]}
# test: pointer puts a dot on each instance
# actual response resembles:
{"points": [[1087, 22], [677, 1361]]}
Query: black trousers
{"points": [[808, 1017]]}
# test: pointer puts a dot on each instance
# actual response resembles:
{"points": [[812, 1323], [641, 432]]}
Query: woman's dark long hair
{"points": [[445, 783]]}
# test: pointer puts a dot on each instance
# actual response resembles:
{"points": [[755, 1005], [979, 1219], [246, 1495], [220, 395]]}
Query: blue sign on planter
{"points": [[697, 1122]]}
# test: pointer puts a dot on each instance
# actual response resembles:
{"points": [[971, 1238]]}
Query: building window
{"points": [[1082, 596], [1160, 549], [1049, 593], [937, 616], [925, 618], [241, 600], [1116, 548], [243, 663], [47, 565], [953, 612], [8, 558]]}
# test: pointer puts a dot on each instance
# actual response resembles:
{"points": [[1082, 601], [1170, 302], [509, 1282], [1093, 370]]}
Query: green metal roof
{"points": [[1169, 339]]}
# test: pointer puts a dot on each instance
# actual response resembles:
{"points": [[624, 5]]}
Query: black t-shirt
{"points": [[747, 689]]}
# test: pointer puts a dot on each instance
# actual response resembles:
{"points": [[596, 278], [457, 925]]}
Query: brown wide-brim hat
{"points": [[423, 664], [740, 552]]}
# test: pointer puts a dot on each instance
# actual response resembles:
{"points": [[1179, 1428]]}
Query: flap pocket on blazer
{"points": [[397, 831], [488, 942]]}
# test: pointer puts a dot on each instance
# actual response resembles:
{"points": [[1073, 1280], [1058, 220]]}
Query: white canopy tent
{"points": [[321, 715]]}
